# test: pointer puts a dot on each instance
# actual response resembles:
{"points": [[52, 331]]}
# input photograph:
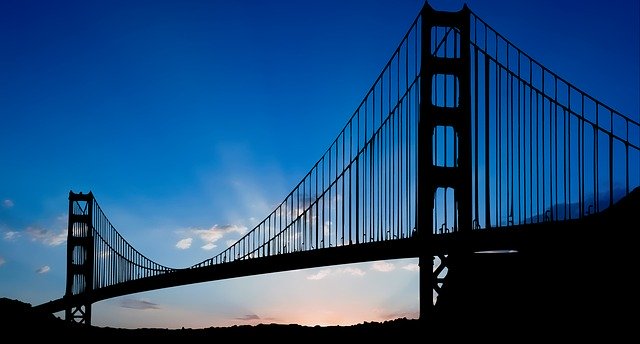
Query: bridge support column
{"points": [[80, 254], [444, 140]]}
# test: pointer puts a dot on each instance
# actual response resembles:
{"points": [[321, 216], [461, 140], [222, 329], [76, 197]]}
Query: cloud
{"points": [[409, 314], [11, 235], [353, 271], [7, 203], [43, 269], [383, 266], [210, 236], [411, 267], [216, 232], [337, 271], [184, 243], [138, 304], [320, 275], [209, 246], [248, 317], [2, 261], [47, 237]]}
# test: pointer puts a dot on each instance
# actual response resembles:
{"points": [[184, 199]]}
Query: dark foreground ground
{"points": [[572, 282]]}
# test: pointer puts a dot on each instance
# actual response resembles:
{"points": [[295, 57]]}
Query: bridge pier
{"points": [[444, 114]]}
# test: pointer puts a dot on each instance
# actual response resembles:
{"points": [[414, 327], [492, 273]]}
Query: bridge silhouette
{"points": [[464, 143]]}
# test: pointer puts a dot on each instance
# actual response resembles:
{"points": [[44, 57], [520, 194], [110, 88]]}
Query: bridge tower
{"points": [[80, 253], [440, 113]]}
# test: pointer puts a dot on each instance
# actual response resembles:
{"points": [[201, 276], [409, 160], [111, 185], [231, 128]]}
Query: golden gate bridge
{"points": [[464, 143]]}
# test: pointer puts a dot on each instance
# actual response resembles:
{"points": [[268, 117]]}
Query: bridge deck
{"points": [[567, 236]]}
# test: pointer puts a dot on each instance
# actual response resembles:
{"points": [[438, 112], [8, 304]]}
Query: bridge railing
{"points": [[362, 189], [543, 150]]}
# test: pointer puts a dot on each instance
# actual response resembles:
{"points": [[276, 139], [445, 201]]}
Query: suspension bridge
{"points": [[464, 143]]}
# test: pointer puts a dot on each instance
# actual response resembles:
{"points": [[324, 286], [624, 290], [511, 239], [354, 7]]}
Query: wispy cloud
{"points": [[324, 273], [2, 261], [409, 314], [383, 266], [215, 233], [11, 235], [7, 203], [411, 267], [248, 317], [209, 246], [184, 243], [319, 275], [43, 269], [46, 236], [138, 304], [210, 236], [352, 271]]}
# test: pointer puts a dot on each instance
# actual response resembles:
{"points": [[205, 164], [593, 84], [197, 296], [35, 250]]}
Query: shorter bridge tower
{"points": [[80, 254]]}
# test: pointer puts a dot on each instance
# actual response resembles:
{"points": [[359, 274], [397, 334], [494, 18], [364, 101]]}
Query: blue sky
{"points": [[190, 118]]}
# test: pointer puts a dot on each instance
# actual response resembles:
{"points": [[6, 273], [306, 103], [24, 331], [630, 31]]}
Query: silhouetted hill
{"points": [[14, 313], [574, 279]]}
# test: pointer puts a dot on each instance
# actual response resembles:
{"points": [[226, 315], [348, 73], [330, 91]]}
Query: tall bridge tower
{"points": [[445, 108], [80, 258]]}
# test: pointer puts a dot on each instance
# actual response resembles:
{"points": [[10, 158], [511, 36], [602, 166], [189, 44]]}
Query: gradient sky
{"points": [[192, 117]]}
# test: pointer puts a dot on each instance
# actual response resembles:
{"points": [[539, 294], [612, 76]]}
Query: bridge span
{"points": [[464, 143]]}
